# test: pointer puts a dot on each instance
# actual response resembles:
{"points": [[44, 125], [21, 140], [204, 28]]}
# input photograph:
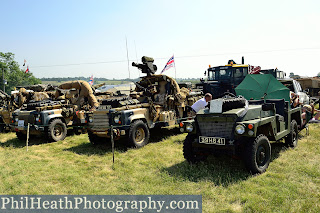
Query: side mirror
{"points": [[268, 106]]}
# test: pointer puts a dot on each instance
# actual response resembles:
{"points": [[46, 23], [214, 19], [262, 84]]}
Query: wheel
{"points": [[77, 131], [21, 136], [189, 153], [292, 139], [96, 140], [138, 134], [57, 130], [258, 154]]}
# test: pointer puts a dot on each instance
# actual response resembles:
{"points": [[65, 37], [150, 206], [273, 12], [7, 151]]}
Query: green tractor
{"points": [[244, 125]]}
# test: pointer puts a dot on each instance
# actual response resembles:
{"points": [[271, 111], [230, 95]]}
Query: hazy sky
{"points": [[92, 34]]}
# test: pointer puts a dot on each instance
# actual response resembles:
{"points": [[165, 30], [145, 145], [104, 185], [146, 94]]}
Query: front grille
{"points": [[100, 122], [27, 119], [216, 126]]}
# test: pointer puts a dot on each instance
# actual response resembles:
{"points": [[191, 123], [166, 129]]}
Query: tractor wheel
{"points": [[138, 134], [57, 130], [292, 139], [96, 140], [189, 153], [258, 154]]}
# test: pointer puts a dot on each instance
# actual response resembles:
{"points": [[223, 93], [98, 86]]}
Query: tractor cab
{"points": [[223, 79]]}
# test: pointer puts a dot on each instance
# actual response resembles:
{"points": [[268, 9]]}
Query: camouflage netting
{"points": [[163, 93], [24, 96], [84, 91], [38, 87]]}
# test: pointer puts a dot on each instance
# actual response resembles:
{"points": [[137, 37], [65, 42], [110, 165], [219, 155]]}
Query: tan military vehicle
{"points": [[312, 86], [157, 101], [6, 110], [66, 108]]}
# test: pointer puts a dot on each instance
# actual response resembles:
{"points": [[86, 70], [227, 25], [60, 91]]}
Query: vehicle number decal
{"points": [[212, 140], [20, 123]]}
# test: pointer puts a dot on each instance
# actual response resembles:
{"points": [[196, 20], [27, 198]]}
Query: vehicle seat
{"points": [[279, 104]]}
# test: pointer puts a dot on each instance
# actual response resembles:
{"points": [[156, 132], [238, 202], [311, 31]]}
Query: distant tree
{"points": [[13, 74]]}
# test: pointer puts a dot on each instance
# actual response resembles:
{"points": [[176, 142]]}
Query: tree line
{"points": [[12, 75]]}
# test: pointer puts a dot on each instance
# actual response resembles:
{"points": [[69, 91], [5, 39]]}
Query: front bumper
{"points": [[117, 132], [25, 128]]}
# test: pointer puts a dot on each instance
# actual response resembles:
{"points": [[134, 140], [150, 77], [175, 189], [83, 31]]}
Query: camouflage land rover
{"points": [[68, 109], [244, 128], [157, 101]]}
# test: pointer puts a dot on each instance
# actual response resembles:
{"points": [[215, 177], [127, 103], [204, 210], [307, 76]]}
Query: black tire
{"points": [[57, 131], [77, 131], [95, 139], [21, 136], [189, 153], [258, 155], [139, 134], [233, 103], [2, 128], [292, 139]]}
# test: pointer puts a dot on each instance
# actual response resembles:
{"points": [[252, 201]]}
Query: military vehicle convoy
{"points": [[157, 101], [67, 109], [244, 127]]}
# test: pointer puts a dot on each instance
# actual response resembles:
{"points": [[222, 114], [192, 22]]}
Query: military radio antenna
{"points": [[128, 60], [127, 56], [135, 47]]}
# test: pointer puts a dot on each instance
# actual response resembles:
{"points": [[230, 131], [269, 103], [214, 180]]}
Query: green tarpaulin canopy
{"points": [[256, 86]]}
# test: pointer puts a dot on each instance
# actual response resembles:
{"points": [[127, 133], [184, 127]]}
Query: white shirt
{"points": [[200, 104]]}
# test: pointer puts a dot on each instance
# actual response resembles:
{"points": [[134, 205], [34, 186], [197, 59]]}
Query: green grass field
{"points": [[74, 166]]}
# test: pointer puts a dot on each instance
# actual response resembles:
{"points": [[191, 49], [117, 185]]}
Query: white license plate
{"points": [[212, 140], [20, 123]]}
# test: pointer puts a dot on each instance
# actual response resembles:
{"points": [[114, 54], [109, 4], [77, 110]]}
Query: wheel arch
{"points": [[51, 118], [266, 130]]}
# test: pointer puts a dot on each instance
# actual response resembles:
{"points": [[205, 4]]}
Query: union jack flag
{"points": [[169, 64], [254, 69], [91, 80], [27, 70]]}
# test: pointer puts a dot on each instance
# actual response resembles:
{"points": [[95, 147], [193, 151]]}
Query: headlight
{"points": [[16, 119], [189, 127], [240, 129], [90, 119], [116, 119]]}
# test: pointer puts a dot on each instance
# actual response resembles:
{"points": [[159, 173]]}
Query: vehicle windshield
{"points": [[219, 74]]}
